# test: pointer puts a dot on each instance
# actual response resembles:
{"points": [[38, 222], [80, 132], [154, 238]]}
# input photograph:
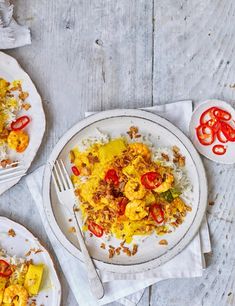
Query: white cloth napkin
{"points": [[128, 289], [12, 35]]}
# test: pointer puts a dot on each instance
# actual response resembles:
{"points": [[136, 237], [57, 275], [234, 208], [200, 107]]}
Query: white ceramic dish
{"points": [[150, 253], [228, 157], [50, 293], [10, 70]]}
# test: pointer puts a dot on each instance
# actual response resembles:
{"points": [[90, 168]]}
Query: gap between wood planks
{"points": [[152, 78], [153, 44]]}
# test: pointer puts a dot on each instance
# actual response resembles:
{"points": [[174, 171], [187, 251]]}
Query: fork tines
{"points": [[60, 176], [12, 172]]}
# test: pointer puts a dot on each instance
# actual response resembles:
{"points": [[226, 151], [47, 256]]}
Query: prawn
{"points": [[134, 191], [16, 292], [138, 148], [18, 141], [166, 185], [136, 210]]}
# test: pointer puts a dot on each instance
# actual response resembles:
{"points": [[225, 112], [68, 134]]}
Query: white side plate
{"points": [[229, 156], [150, 254], [50, 293], [10, 70]]}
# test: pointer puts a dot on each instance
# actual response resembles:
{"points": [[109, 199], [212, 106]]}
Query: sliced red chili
{"points": [[5, 269], [221, 137], [151, 180], [122, 206], [221, 114], [20, 123], [207, 115], [219, 149], [75, 171], [157, 213], [214, 124], [228, 131], [112, 177], [205, 134], [95, 229]]}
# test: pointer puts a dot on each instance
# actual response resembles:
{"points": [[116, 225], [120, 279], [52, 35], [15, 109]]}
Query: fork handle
{"points": [[96, 285]]}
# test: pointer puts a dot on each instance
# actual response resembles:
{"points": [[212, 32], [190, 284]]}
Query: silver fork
{"points": [[12, 172], [65, 192]]}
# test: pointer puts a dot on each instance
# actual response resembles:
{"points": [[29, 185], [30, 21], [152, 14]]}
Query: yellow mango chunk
{"points": [[113, 148], [33, 279]]}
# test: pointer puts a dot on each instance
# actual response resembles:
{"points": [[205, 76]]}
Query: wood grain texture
{"points": [[194, 50], [85, 56], [95, 55], [217, 286]]}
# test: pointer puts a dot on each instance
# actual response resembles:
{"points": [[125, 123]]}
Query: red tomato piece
{"points": [[5, 269], [75, 171], [151, 180], [157, 213], [112, 177], [20, 123], [95, 229]]}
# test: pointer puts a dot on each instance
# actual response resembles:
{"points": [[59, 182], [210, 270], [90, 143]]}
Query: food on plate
{"points": [[126, 188], [20, 280], [216, 123], [13, 120]]}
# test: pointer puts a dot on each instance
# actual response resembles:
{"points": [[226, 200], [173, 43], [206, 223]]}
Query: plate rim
{"points": [[13, 62], [43, 246], [189, 235]]}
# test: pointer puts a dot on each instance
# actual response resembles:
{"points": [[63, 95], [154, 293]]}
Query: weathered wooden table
{"points": [[96, 55]]}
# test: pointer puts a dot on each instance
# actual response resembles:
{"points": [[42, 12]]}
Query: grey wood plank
{"points": [[217, 286], [144, 301], [194, 59], [194, 50], [98, 54], [85, 55]]}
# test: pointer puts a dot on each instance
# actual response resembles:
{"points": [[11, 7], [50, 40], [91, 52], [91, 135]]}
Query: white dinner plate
{"points": [[21, 244], [11, 70], [229, 156], [162, 133]]}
